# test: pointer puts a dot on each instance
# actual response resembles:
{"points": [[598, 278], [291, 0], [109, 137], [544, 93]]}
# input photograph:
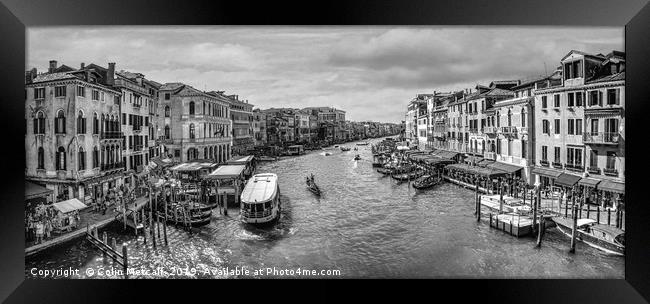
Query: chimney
{"points": [[110, 74], [83, 65], [52, 66], [28, 77]]}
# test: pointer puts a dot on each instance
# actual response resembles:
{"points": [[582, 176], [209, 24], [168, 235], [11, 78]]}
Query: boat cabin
{"points": [[260, 198], [296, 150]]}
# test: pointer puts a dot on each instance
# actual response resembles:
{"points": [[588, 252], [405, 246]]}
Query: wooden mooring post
{"points": [[144, 227], [574, 230], [540, 230], [92, 235]]}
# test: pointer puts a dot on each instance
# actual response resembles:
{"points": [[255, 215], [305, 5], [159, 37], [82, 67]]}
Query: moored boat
{"points": [[188, 213], [413, 175], [365, 143], [260, 200], [603, 237], [345, 148], [426, 181], [311, 185]]}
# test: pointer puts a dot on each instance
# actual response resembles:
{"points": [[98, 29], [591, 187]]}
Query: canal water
{"points": [[364, 225]]}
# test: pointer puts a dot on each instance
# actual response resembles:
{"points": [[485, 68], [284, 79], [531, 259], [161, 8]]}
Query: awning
{"points": [[33, 191], [589, 182], [567, 180], [69, 205], [489, 172], [507, 168], [227, 171], [473, 160], [485, 162], [546, 172], [193, 166], [612, 186]]}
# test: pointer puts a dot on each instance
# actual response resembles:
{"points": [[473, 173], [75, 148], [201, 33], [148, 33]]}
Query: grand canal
{"points": [[365, 225]]}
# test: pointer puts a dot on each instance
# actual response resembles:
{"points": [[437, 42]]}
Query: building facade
{"points": [[241, 113]]}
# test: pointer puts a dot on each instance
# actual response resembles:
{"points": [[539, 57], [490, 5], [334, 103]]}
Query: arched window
{"points": [[60, 159], [523, 118], [509, 118], [82, 159], [95, 124], [191, 107], [95, 157], [39, 123], [59, 122], [498, 120], [41, 158], [203, 108], [167, 135], [167, 111], [192, 131], [101, 126], [81, 123], [205, 152]]}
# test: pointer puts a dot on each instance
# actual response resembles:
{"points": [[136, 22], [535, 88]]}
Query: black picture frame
{"points": [[16, 15]]}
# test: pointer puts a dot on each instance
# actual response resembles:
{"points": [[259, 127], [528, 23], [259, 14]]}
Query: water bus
{"points": [[260, 200]]}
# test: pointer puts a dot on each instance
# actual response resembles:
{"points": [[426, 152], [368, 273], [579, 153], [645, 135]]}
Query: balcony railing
{"points": [[106, 167], [138, 147], [473, 130], [610, 171], [490, 155], [490, 130], [600, 137], [593, 170], [112, 135], [508, 130], [557, 165], [522, 130], [575, 167]]}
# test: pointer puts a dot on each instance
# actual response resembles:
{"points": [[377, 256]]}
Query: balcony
{"points": [[610, 171], [490, 155], [508, 130], [522, 130], [593, 170], [543, 163], [473, 130], [112, 135], [575, 167], [604, 138], [557, 165], [490, 130], [137, 147], [109, 167]]}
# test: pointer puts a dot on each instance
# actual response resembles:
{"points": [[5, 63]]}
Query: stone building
{"points": [[241, 113], [259, 128], [73, 143], [196, 124]]}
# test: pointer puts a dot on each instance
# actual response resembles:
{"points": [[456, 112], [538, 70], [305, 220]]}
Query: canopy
{"points": [[69, 205], [473, 159], [510, 169], [485, 162], [567, 180], [612, 186], [476, 170], [33, 191], [227, 171], [241, 160], [589, 182], [546, 172], [402, 148], [193, 166]]}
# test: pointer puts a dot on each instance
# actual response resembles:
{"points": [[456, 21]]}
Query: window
{"points": [[579, 97], [570, 99], [574, 157], [60, 159], [95, 158], [556, 100], [123, 118], [41, 158], [523, 149], [167, 135], [39, 93], [573, 69], [594, 127], [82, 159], [81, 91], [95, 95], [611, 160], [191, 107], [613, 96], [59, 91], [523, 118], [593, 159], [571, 127], [557, 126], [557, 154], [544, 102], [167, 97], [81, 123], [59, 123], [39, 123], [191, 131], [578, 126], [95, 124], [167, 111], [544, 153], [595, 98]]}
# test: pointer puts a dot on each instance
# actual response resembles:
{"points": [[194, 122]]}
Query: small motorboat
{"points": [[345, 148], [311, 185], [357, 157], [328, 153], [603, 237], [365, 143], [426, 181]]}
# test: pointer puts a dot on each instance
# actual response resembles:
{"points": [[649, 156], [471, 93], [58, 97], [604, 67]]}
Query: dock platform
{"points": [[513, 224]]}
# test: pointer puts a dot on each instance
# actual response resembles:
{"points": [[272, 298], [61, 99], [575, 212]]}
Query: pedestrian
{"points": [[48, 228], [39, 232]]}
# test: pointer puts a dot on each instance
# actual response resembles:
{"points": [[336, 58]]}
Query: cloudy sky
{"points": [[370, 72]]}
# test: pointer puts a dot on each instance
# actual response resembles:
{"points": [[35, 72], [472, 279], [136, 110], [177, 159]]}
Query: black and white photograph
{"points": [[324, 152]]}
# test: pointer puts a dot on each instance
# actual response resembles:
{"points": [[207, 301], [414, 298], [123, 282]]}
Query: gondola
{"points": [[426, 181], [311, 185], [408, 176], [345, 149]]}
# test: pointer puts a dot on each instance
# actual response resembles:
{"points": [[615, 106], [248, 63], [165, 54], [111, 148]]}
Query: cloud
{"points": [[370, 72]]}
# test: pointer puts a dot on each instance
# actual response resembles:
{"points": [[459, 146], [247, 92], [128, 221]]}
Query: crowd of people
{"points": [[44, 220]]}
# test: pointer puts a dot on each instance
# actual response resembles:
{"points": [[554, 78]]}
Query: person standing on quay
{"points": [[39, 232]]}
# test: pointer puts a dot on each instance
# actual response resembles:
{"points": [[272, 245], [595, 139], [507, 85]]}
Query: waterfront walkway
{"points": [[87, 217]]}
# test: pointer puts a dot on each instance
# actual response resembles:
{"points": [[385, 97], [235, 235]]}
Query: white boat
{"points": [[260, 199], [510, 204], [603, 237]]}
